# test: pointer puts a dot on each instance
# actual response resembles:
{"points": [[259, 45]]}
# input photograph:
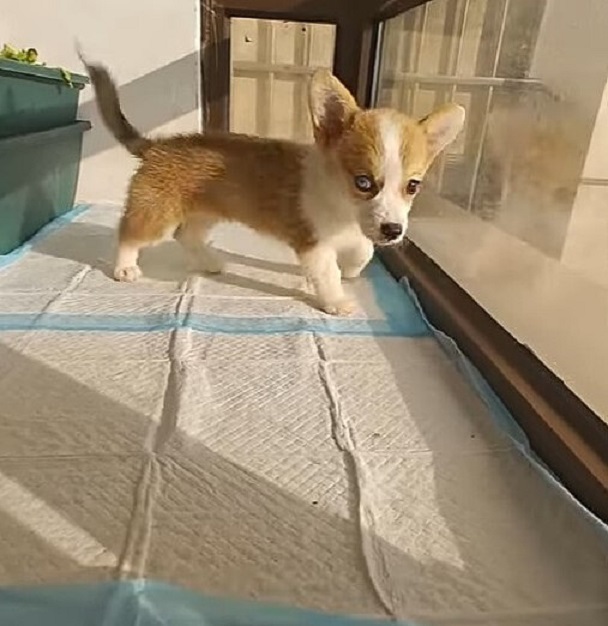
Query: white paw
{"points": [[127, 274], [350, 273], [342, 308]]}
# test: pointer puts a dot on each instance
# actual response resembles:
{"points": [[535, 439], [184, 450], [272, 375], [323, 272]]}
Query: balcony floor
{"points": [[219, 434]]}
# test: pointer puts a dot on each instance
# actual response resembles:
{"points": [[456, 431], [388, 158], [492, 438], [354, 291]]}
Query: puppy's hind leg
{"points": [[193, 235], [139, 229], [126, 267]]}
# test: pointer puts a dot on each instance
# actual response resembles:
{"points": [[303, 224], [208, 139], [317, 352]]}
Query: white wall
{"points": [[586, 245], [596, 165], [571, 55], [151, 47], [4, 30]]}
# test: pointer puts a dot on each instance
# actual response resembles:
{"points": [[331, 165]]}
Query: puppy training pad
{"points": [[185, 438]]}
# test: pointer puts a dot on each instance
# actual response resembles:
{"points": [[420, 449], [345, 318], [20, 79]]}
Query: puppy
{"points": [[330, 201]]}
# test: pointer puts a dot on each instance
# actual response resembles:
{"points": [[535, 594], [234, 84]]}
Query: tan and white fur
{"points": [[330, 201]]}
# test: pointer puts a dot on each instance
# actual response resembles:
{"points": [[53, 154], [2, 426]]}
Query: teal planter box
{"points": [[38, 178], [35, 98]]}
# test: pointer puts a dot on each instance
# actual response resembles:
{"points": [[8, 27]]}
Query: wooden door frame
{"points": [[357, 29]]}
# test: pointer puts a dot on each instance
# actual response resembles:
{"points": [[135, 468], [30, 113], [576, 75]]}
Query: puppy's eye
{"points": [[412, 186], [364, 183]]}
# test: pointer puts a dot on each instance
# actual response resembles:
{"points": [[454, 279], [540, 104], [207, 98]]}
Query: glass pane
{"points": [[481, 54], [271, 63], [517, 209]]}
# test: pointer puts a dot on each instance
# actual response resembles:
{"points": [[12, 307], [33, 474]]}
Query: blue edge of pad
{"points": [[400, 316], [151, 603]]}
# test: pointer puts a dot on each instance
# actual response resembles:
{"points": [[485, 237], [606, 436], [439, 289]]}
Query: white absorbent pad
{"points": [[186, 438]]}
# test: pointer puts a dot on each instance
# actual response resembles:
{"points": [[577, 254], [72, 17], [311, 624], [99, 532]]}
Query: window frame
{"points": [[358, 26]]}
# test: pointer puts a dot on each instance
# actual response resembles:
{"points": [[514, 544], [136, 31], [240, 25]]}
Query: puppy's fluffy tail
{"points": [[111, 114]]}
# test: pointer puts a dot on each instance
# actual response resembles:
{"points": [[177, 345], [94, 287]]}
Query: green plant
{"points": [[30, 56]]}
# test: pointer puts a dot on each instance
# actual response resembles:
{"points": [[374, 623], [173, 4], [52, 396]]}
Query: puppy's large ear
{"points": [[442, 127], [332, 107]]}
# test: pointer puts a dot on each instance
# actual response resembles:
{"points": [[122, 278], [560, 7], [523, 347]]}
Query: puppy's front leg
{"points": [[320, 266], [354, 258]]}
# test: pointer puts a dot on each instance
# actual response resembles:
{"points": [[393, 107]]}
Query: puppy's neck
{"points": [[324, 197]]}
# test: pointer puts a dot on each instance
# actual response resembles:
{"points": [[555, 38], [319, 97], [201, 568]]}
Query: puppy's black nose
{"points": [[391, 230]]}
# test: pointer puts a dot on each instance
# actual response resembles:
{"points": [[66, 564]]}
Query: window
{"points": [[516, 211], [271, 63]]}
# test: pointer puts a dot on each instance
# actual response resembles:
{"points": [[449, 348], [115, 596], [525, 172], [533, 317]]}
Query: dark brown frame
{"points": [[357, 27], [563, 431]]}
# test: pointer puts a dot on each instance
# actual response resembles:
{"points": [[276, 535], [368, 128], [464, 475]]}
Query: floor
{"points": [[221, 435]]}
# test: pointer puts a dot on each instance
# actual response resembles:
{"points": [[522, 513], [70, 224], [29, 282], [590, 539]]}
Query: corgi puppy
{"points": [[330, 201]]}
